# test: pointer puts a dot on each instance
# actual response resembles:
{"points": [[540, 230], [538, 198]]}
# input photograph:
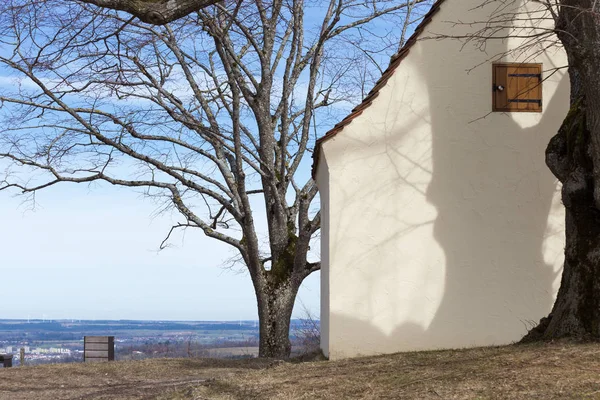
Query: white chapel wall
{"points": [[443, 227]]}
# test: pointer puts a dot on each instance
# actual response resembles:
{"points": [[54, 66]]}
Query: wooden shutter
{"points": [[517, 87]]}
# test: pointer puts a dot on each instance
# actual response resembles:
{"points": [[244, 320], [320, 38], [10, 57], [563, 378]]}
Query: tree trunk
{"points": [[275, 305], [573, 156], [576, 312], [570, 156]]}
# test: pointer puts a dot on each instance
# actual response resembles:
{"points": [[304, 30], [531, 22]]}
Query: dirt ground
{"points": [[546, 371]]}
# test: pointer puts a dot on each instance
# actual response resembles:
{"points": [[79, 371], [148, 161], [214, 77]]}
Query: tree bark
{"points": [[576, 312], [275, 306], [573, 156], [157, 12]]}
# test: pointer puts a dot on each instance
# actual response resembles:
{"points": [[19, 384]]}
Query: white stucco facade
{"points": [[442, 226]]}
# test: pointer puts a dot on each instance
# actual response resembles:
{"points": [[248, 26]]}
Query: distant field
{"points": [[133, 339], [548, 371], [233, 352]]}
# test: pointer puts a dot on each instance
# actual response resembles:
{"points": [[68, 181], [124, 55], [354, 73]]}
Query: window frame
{"points": [[539, 66]]}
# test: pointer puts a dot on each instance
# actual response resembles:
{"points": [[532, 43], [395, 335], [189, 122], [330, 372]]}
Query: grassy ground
{"points": [[548, 371]]}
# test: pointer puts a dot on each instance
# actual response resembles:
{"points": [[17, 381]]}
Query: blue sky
{"points": [[91, 253]]}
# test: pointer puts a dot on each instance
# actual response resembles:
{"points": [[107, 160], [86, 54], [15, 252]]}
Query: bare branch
{"points": [[152, 11]]}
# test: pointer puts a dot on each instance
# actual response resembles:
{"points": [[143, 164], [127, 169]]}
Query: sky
{"points": [[92, 253]]}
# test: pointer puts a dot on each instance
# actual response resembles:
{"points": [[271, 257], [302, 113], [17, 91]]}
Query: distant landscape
{"points": [[59, 341]]}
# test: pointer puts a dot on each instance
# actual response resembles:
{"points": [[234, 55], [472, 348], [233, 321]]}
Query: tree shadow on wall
{"points": [[497, 219]]}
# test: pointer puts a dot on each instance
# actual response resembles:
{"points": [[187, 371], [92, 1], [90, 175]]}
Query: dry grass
{"points": [[548, 371]]}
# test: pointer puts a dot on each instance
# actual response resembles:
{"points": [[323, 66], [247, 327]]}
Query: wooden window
{"points": [[517, 87]]}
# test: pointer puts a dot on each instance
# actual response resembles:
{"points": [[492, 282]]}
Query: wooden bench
{"points": [[6, 360], [98, 348]]}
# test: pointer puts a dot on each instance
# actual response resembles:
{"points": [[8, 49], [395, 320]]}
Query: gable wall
{"points": [[444, 226]]}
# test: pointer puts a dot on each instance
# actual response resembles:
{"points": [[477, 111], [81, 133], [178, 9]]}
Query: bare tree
{"points": [[212, 114]]}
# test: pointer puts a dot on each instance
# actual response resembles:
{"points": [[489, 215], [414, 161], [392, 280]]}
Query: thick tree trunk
{"points": [[576, 312], [573, 155], [275, 305]]}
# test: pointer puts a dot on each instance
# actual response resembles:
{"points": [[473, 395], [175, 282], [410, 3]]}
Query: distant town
{"points": [[59, 341]]}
